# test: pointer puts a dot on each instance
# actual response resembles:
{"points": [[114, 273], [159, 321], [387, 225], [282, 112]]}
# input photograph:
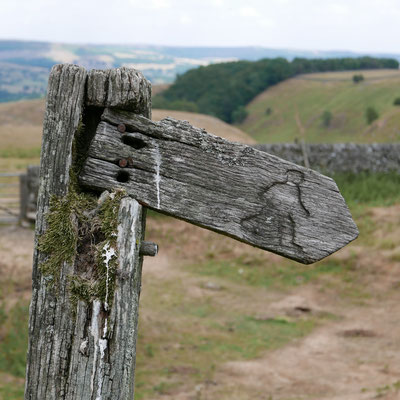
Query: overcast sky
{"points": [[360, 25]]}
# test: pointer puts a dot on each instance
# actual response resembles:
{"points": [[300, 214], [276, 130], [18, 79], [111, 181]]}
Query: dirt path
{"points": [[354, 358]]}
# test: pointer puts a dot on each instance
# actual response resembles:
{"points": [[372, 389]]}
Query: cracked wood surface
{"points": [[230, 188], [84, 351]]}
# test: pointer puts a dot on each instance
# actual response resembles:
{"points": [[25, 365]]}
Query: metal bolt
{"points": [[148, 249], [123, 162], [121, 128]]}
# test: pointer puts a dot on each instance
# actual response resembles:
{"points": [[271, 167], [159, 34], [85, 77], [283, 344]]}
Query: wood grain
{"points": [[230, 188], [122, 88]]}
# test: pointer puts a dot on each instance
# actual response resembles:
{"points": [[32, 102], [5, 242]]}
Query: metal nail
{"points": [[121, 128], [123, 162]]}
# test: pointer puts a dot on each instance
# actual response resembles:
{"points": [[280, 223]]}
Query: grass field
{"points": [[295, 108]]}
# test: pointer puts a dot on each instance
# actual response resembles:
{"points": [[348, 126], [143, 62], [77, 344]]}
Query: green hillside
{"points": [[327, 107], [224, 89]]}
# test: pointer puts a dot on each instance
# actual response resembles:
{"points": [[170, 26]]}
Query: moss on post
{"points": [[81, 229]]}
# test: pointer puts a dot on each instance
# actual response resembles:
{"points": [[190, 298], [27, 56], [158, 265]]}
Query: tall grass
{"points": [[15, 152], [14, 340], [378, 189]]}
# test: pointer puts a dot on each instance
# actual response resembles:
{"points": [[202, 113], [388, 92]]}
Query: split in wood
{"points": [[148, 249]]}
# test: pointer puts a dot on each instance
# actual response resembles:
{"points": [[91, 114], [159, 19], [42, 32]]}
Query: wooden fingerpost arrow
{"points": [[227, 187], [97, 137]]}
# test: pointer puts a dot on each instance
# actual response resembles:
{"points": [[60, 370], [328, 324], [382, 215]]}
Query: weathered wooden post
{"points": [[87, 266], [87, 262]]}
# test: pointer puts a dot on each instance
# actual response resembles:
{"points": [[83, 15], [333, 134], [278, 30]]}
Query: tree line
{"points": [[223, 90]]}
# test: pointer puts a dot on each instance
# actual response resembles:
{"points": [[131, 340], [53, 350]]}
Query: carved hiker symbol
{"points": [[282, 211]]}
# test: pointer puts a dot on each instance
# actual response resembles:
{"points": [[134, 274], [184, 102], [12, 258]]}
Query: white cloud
{"points": [[151, 5], [266, 22], [185, 20], [217, 3], [249, 12], [339, 8], [160, 4]]}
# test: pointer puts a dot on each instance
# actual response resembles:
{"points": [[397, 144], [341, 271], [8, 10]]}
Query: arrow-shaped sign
{"points": [[227, 187]]}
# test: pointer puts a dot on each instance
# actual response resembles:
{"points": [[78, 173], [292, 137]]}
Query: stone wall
{"points": [[344, 157]]}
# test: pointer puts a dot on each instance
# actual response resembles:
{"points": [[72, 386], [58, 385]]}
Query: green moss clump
{"points": [[61, 236]]}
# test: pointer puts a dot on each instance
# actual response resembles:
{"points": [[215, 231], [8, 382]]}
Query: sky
{"points": [[357, 25]]}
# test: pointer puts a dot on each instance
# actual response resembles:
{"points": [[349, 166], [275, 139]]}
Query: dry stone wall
{"points": [[343, 157]]}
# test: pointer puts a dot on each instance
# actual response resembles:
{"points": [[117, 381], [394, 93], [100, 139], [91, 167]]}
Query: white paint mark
{"points": [[99, 344], [158, 177], [83, 346], [94, 330], [103, 347], [105, 330], [108, 254]]}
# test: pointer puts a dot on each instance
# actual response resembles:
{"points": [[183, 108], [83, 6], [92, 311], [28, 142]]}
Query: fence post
{"points": [[87, 262], [23, 197]]}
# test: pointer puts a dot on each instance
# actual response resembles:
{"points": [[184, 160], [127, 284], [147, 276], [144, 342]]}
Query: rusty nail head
{"points": [[123, 162], [121, 128]]}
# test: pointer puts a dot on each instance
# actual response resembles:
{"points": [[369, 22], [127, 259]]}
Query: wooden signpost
{"points": [[98, 138]]}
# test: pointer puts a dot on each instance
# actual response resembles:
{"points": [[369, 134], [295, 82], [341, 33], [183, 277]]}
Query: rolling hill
{"points": [[296, 108]]}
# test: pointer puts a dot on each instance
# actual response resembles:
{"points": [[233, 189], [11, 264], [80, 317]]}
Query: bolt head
{"points": [[121, 128], [123, 162]]}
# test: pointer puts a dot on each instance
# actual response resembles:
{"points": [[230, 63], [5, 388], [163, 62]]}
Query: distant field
{"points": [[20, 134], [297, 107]]}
